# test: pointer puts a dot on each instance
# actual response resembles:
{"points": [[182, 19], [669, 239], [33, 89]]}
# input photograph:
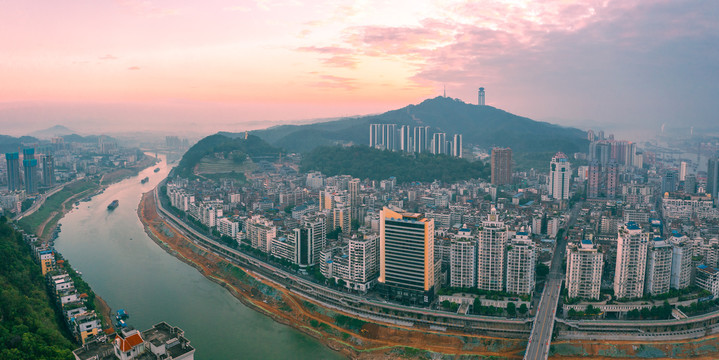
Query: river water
{"points": [[131, 272]]}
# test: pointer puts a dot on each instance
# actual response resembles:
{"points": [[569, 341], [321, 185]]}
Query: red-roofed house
{"points": [[126, 348]]}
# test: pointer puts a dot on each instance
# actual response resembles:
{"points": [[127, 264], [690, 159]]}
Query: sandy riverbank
{"points": [[360, 339]]}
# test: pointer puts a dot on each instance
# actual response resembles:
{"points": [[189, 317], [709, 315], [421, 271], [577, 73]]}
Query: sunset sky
{"points": [[231, 65]]}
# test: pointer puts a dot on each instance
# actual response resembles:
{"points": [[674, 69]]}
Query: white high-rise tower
{"points": [[480, 101]]}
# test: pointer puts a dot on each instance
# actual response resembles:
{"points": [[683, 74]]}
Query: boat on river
{"points": [[146, 179], [157, 169], [113, 205]]}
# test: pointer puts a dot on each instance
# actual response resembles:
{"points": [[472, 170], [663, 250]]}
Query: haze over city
{"points": [[227, 65]]}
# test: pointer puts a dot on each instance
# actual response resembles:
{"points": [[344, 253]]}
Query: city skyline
{"points": [[223, 66]]}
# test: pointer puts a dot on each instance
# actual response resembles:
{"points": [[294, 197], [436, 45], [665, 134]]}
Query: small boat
{"points": [[157, 169], [113, 205], [146, 179]]}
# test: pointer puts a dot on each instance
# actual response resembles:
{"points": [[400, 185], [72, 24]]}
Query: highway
{"points": [[40, 200], [541, 335]]}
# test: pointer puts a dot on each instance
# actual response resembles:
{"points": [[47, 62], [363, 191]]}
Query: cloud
{"points": [[133, 68], [108, 57], [335, 82], [148, 8]]}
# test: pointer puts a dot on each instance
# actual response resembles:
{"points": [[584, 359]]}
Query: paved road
{"points": [[541, 335], [40, 200]]}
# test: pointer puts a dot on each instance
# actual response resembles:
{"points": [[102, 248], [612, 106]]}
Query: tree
{"points": [[511, 309], [446, 304], [541, 270], [523, 309], [477, 305]]}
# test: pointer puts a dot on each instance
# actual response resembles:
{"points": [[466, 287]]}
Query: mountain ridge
{"points": [[485, 126]]}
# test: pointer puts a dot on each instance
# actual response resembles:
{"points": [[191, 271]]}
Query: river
{"points": [[129, 271]]}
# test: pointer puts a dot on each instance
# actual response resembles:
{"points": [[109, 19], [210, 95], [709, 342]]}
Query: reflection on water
{"points": [[130, 271]]}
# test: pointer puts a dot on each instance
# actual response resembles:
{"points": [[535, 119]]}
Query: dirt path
{"points": [[373, 341]]}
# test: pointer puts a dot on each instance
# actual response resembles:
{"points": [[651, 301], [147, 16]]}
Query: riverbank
{"points": [[43, 222], [342, 332]]}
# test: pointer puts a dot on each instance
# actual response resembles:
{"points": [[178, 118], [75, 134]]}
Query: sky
{"points": [[204, 66]]}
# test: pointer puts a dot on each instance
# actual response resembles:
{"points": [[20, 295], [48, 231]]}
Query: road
{"points": [[40, 200], [541, 335]]}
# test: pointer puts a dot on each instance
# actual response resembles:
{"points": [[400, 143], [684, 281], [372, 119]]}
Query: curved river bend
{"points": [[128, 270]]}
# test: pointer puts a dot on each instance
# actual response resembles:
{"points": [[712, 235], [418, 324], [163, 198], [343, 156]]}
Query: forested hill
{"points": [[485, 126], [367, 163], [227, 146], [28, 324]]}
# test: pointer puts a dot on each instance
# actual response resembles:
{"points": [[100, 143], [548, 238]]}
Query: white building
{"points": [[521, 261], [560, 174], [462, 260], [228, 227], [260, 232], [490, 253], [659, 267], [584, 270], [707, 278], [631, 265], [681, 275]]}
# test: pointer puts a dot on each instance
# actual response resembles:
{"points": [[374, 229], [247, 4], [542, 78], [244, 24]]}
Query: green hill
{"points": [[224, 153], [29, 327], [485, 126], [368, 163]]}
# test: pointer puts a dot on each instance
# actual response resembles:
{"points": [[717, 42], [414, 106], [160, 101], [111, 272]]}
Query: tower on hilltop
{"points": [[480, 101]]}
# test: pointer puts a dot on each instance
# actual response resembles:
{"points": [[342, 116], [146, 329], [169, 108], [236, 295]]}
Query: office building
{"points": [[521, 262], [682, 171], [501, 166], [407, 266], [631, 265], [491, 253], [584, 270], [659, 267], [13, 171], [560, 173], [593, 180]]}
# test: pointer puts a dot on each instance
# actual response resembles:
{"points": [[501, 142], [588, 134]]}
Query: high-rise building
{"points": [[405, 138], [462, 261], [670, 181], [521, 261], [302, 238], [659, 267], [318, 224], [560, 173], [681, 274], [631, 265], [682, 171], [13, 171], [363, 258], [690, 184], [407, 266], [584, 270], [713, 178], [261, 232], [612, 179], [501, 166], [48, 170], [421, 136], [30, 171], [480, 97], [439, 143], [457, 145], [593, 181], [490, 253]]}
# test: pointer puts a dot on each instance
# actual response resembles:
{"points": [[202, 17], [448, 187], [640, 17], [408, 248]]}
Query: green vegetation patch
{"points": [[368, 163], [350, 323], [220, 153], [29, 327], [54, 203]]}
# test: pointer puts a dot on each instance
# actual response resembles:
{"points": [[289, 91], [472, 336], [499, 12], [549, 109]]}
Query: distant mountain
{"points": [[12, 144], [485, 126], [57, 130]]}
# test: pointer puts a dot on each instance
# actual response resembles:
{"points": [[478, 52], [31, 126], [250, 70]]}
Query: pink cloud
{"points": [[133, 68]]}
